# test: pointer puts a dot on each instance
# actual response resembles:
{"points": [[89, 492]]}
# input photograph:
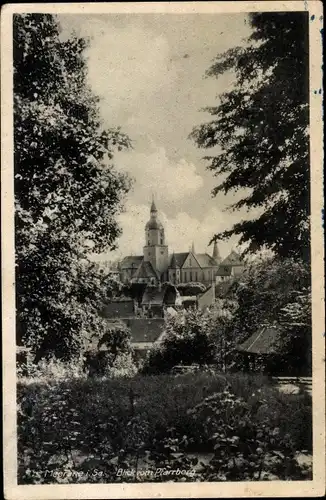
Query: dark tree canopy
{"points": [[67, 191], [261, 127], [191, 288]]}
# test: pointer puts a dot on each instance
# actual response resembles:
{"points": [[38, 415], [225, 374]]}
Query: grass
{"points": [[102, 417]]}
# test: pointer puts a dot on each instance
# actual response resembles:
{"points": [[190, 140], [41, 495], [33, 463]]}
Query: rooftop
{"points": [[263, 341]]}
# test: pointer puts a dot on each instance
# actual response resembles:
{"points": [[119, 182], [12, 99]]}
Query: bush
{"points": [[191, 288], [51, 369], [123, 366], [192, 337], [187, 339], [247, 445]]}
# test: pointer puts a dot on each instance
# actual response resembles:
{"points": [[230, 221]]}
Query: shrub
{"points": [[51, 369], [187, 339], [123, 366], [247, 446], [192, 337], [191, 288]]}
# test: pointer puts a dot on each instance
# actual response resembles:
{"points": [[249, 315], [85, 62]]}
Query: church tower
{"points": [[155, 249], [216, 254]]}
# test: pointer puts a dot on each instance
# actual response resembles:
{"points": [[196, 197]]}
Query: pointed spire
{"points": [[216, 254], [153, 206]]}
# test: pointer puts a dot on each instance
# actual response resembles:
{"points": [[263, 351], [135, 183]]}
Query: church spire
{"points": [[153, 206], [216, 254]]}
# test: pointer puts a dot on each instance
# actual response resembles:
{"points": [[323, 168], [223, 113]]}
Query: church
{"points": [[156, 265]]}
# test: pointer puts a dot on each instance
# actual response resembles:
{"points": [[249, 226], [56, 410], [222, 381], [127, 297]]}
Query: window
{"points": [[196, 276], [149, 243], [161, 241], [185, 276], [190, 276], [162, 252]]}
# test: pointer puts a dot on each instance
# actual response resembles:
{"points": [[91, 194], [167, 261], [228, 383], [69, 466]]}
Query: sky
{"points": [[149, 72]]}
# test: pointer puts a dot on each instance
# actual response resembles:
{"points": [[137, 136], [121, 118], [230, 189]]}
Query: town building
{"points": [[229, 268]]}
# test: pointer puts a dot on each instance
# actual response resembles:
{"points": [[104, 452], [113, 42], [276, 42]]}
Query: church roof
{"points": [[173, 262], [131, 261], [233, 259], [179, 258], [146, 270], [205, 260]]}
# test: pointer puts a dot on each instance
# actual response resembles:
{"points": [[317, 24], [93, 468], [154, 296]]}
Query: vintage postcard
{"points": [[162, 250]]}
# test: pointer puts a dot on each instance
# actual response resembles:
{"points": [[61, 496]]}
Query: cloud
{"points": [[126, 64], [180, 231], [154, 173], [183, 229]]}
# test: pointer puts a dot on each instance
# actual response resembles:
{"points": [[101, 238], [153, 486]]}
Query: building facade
{"points": [[230, 268]]}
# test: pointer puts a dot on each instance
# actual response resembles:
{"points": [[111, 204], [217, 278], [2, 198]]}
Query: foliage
{"points": [[186, 340], [191, 337], [51, 369], [123, 366], [112, 352], [84, 430], [277, 290], [112, 286], [116, 340], [134, 291], [247, 444], [296, 341], [265, 287], [110, 357], [67, 191], [191, 288], [261, 128]]}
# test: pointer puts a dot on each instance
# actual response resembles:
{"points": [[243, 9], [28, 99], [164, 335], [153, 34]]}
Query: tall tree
{"points": [[261, 127], [67, 191]]}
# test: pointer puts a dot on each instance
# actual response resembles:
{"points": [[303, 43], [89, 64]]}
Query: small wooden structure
{"points": [[261, 347]]}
